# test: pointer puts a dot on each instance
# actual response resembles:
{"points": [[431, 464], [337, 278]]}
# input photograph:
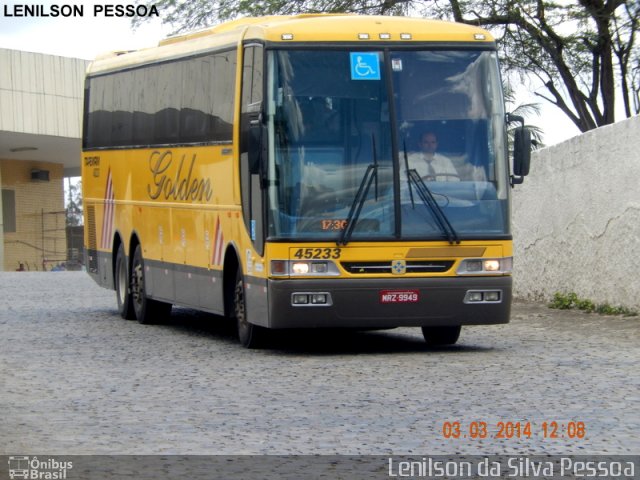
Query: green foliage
{"points": [[73, 203], [563, 301], [568, 301], [187, 15], [583, 52], [525, 110]]}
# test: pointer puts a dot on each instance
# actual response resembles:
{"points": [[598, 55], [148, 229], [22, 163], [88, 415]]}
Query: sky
{"points": [[90, 35], [80, 37]]}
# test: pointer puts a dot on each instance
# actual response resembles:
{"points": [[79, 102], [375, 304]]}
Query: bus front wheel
{"points": [[435, 336], [147, 310], [250, 335], [123, 291]]}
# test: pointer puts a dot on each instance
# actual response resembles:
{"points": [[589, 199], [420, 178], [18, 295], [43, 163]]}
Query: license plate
{"points": [[399, 296]]}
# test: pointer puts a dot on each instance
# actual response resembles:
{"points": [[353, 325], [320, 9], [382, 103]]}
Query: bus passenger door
{"points": [[252, 142]]}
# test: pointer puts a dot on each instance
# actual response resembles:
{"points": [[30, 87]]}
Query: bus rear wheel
{"points": [[146, 309], [122, 287], [250, 335], [435, 336]]}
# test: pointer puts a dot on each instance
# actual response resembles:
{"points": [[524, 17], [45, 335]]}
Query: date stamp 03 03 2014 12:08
{"points": [[513, 430]]}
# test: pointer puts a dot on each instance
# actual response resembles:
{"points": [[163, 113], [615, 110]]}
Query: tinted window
{"points": [[185, 101]]}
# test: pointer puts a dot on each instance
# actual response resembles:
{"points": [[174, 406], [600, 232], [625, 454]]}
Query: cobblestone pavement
{"points": [[77, 379]]}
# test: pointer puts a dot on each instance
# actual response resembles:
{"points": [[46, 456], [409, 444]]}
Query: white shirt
{"points": [[443, 168]]}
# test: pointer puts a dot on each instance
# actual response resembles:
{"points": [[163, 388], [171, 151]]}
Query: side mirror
{"points": [[522, 144], [521, 151]]}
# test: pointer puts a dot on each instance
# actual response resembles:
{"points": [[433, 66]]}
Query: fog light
{"points": [[299, 299], [483, 296], [474, 297], [491, 296], [319, 298]]}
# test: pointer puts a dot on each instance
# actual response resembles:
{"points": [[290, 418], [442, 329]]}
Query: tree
{"points": [[577, 48], [185, 15], [583, 51], [525, 110], [73, 203]]}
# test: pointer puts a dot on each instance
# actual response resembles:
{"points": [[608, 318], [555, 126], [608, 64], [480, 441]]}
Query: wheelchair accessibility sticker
{"points": [[365, 66]]}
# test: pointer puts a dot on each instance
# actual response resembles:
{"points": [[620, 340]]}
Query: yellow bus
{"points": [[272, 170]]}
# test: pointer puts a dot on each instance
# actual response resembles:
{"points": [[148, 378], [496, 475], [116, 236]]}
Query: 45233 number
{"points": [[318, 253]]}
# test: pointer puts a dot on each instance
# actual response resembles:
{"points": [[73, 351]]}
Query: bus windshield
{"points": [[373, 128]]}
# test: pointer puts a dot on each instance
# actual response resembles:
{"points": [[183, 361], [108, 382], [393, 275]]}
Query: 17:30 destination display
{"points": [[508, 429]]}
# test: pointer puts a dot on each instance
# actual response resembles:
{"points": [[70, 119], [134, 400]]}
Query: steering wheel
{"points": [[434, 177]]}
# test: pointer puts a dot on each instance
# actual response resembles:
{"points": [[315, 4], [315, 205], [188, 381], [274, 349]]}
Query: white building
{"points": [[40, 142]]}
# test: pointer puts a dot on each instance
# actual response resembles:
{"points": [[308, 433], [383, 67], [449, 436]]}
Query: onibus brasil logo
{"points": [[33, 468]]}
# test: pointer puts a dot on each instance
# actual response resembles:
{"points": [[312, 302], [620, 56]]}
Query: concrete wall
{"points": [[41, 94], [577, 219]]}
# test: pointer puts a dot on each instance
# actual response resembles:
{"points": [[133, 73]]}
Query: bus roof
{"points": [[303, 28], [340, 27]]}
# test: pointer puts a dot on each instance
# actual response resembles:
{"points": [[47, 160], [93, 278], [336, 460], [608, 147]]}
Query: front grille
{"points": [[417, 266]]}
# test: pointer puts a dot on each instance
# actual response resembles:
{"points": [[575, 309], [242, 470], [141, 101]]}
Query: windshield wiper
{"points": [[370, 175], [406, 168], [427, 198]]}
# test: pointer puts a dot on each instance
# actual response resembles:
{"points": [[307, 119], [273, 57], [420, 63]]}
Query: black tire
{"points": [[147, 310], [122, 286], [250, 335], [438, 336]]}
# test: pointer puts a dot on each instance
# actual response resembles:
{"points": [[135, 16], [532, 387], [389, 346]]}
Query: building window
{"points": [[9, 211]]}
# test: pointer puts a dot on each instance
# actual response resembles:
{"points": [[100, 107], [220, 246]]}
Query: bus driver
{"points": [[431, 165]]}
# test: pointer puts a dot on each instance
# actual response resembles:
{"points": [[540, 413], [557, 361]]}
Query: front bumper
{"points": [[357, 303]]}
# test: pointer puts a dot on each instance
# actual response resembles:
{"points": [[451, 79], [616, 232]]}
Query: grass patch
{"points": [[570, 301]]}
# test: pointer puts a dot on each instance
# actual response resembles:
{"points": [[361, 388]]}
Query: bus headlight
{"points": [[491, 265], [486, 266], [286, 268], [300, 268]]}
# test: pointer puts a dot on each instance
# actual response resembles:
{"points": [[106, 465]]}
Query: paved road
{"points": [[77, 379]]}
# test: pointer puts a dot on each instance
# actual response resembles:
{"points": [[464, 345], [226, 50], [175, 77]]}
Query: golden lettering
{"points": [[181, 185]]}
